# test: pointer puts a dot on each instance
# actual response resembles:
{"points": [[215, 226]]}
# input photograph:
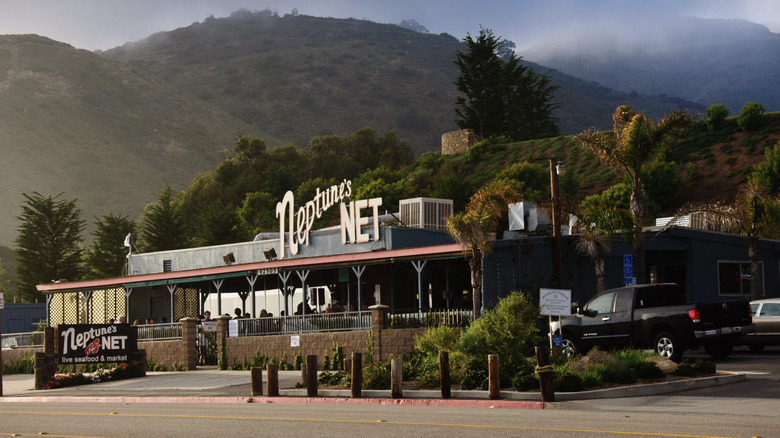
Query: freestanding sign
{"points": [[628, 270], [554, 302], [93, 343]]}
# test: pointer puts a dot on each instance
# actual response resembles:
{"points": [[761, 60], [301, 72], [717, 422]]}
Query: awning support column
{"points": [[303, 274], [252, 278], [171, 290], [419, 265], [358, 270], [86, 295], [284, 276], [217, 285], [128, 291]]}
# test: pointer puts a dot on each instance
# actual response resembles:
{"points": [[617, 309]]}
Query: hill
{"points": [[298, 77], [96, 130], [704, 60]]}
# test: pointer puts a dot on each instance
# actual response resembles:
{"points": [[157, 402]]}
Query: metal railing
{"points": [[317, 322], [159, 332], [415, 318], [22, 340]]}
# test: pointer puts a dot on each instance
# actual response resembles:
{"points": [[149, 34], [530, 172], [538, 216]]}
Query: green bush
{"points": [[25, 365], [525, 382], [338, 378], [435, 339], [620, 373], [376, 375], [508, 330], [693, 368], [716, 116], [751, 117], [593, 377], [475, 375], [568, 381]]}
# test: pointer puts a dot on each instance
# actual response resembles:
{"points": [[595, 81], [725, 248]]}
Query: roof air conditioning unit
{"points": [[426, 213]]}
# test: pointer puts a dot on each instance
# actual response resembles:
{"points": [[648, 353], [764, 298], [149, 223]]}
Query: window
{"points": [[734, 278], [770, 309], [601, 304], [167, 266]]}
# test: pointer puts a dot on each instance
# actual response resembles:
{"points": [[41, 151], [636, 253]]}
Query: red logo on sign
{"points": [[93, 347]]}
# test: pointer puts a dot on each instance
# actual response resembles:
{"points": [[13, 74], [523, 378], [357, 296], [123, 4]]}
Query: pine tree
{"points": [[49, 245], [162, 224]]}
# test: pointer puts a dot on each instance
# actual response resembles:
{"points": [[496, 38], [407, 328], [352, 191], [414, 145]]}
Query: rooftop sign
{"points": [[295, 225]]}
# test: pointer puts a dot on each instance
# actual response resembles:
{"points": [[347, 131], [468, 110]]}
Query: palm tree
{"points": [[473, 228], [634, 142], [599, 223], [754, 214]]}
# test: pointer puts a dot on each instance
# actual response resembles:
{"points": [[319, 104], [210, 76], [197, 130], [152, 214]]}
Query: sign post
{"points": [[554, 302]]}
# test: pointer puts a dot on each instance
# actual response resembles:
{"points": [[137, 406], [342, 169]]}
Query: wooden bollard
{"points": [[304, 380], [494, 382], [396, 378], [256, 374], [311, 375], [356, 390], [272, 370], [546, 374], [444, 373], [348, 365]]}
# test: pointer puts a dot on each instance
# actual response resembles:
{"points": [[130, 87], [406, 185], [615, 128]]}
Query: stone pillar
{"points": [[378, 324], [189, 343], [222, 333]]}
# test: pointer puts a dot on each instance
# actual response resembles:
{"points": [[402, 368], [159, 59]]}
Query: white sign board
{"points": [[555, 302], [2, 303], [209, 326], [233, 328], [295, 341]]}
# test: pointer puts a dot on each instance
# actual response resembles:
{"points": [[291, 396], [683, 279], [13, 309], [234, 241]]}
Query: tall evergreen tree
{"points": [[501, 96], [48, 247], [162, 224], [108, 256]]}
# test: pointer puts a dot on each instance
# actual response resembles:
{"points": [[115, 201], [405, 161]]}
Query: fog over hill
{"points": [[704, 60]]}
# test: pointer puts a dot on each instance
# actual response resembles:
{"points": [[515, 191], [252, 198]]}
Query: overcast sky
{"points": [[103, 24]]}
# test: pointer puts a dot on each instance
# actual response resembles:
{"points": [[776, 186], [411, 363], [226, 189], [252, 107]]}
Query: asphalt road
{"points": [[746, 409]]}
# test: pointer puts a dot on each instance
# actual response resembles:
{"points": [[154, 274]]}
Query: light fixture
{"points": [[229, 258], [560, 168], [270, 254]]}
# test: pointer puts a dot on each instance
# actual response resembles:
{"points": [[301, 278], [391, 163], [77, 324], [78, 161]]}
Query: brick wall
{"points": [[168, 353], [457, 142], [11, 356]]}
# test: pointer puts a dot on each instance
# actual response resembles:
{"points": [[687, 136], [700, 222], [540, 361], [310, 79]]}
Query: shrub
{"points": [[716, 115], [525, 382], [376, 375], [435, 339], [568, 381], [593, 377], [508, 330], [619, 372], [689, 368], [751, 117], [338, 378]]}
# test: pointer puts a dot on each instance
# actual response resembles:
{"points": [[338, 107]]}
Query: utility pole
{"points": [[557, 255]]}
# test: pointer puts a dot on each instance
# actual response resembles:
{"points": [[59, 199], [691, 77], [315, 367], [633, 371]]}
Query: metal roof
{"points": [[376, 257]]}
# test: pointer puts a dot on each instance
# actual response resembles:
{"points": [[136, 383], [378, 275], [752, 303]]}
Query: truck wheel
{"points": [[568, 347], [719, 350], [666, 345]]}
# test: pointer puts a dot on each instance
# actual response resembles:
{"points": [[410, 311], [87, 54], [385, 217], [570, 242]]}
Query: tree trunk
{"points": [[756, 285], [601, 285], [476, 283]]}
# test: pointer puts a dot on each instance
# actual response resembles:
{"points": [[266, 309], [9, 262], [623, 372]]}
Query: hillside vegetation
{"points": [[97, 130], [298, 77]]}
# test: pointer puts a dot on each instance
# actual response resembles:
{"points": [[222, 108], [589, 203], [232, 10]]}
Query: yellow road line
{"points": [[401, 423]]}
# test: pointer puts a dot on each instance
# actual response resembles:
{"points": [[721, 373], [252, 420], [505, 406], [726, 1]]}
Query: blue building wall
{"points": [[21, 317]]}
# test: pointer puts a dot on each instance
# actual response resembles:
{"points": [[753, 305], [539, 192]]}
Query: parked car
{"points": [[656, 316], [766, 317]]}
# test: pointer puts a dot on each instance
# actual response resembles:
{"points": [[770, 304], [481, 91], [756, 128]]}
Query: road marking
{"points": [[383, 422]]}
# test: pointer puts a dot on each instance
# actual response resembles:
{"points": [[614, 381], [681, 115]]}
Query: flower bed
{"points": [[120, 372]]}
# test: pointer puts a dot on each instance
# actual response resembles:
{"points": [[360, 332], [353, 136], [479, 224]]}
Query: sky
{"points": [[104, 24]]}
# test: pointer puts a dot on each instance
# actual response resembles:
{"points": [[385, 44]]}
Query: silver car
{"points": [[766, 317]]}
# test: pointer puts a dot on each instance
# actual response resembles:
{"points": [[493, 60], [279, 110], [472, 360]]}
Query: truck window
{"points": [[623, 301], [659, 295], [601, 304]]}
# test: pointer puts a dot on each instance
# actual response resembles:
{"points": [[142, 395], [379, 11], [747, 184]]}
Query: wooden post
{"points": [[494, 383], [272, 370], [304, 379], [256, 375], [396, 378], [357, 375], [311, 375], [348, 365], [444, 373], [546, 374]]}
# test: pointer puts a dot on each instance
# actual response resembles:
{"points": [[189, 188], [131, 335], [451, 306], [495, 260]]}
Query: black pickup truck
{"points": [[655, 316]]}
